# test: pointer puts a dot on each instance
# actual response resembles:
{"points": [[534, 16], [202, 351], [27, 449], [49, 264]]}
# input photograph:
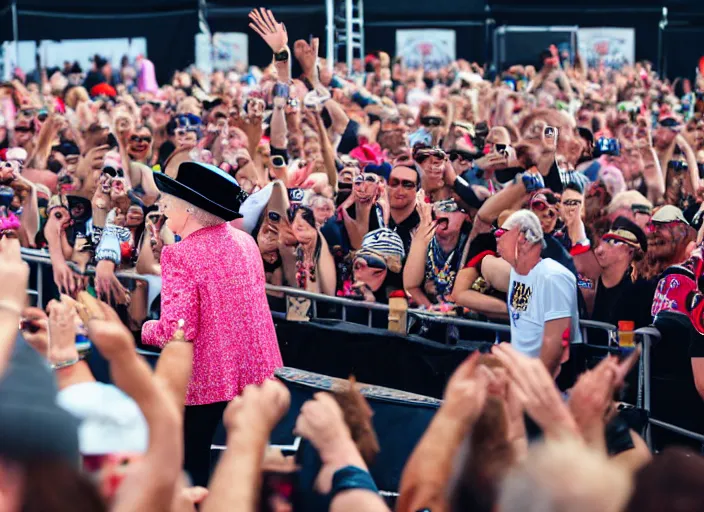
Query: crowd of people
{"points": [[540, 196]]}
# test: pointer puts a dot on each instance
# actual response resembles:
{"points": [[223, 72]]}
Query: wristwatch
{"points": [[282, 56]]}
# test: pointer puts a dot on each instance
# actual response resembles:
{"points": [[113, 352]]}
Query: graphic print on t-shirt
{"points": [[520, 298]]}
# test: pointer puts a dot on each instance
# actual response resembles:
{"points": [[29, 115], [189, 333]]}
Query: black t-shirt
{"points": [[627, 300], [405, 228]]}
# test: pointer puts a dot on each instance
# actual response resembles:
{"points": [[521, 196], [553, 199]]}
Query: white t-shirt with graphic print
{"points": [[548, 292]]}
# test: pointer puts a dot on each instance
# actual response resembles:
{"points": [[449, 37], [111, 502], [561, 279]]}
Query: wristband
{"points": [[351, 477], [282, 56], [66, 364]]}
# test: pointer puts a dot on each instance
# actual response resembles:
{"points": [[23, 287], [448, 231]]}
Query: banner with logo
{"points": [[426, 48], [614, 47], [225, 51]]}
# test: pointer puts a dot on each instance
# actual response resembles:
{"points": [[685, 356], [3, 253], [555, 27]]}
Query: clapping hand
{"points": [[536, 390]]}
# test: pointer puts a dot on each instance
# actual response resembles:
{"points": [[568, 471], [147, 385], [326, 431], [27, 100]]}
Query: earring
{"points": [[189, 210]]}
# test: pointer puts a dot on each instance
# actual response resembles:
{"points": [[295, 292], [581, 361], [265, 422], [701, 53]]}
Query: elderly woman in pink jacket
{"points": [[213, 280]]}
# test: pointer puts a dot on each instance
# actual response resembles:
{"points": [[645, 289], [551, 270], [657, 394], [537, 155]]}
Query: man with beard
{"points": [[670, 240], [618, 296]]}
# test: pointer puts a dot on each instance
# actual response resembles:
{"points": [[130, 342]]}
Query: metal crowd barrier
{"points": [[649, 335]]}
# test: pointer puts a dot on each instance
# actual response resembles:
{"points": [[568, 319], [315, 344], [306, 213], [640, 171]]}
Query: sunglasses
{"points": [[407, 184], [431, 121], [115, 173], [572, 202], [137, 138], [24, 129], [369, 178], [447, 206], [219, 115], [423, 154], [28, 112], [541, 207], [653, 225], [456, 154], [499, 232]]}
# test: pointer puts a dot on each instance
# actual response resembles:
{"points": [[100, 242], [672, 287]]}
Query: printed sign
{"points": [[614, 47], [225, 51], [427, 48]]}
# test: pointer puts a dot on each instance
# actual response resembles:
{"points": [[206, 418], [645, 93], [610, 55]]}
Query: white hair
{"points": [[205, 219], [565, 475], [527, 223], [313, 199]]}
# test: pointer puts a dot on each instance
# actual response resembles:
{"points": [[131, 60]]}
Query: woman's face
{"points": [[176, 214], [140, 143], [185, 137], [305, 233], [322, 210], [135, 216], [371, 273], [268, 242]]}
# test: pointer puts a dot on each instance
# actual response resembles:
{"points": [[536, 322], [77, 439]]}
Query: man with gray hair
{"points": [[542, 293]]}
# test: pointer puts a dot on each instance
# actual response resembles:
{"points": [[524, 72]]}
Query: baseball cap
{"points": [[668, 213], [110, 421]]}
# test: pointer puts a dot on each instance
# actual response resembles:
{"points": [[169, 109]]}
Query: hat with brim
{"points": [[668, 213], [627, 232], [205, 187]]}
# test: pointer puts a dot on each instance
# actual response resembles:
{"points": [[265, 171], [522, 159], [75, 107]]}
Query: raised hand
{"points": [[109, 334], [321, 421], [466, 391], [307, 55], [14, 275], [536, 390], [62, 331], [259, 407], [273, 33]]}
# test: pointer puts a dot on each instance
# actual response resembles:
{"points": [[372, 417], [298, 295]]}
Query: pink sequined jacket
{"points": [[214, 281]]}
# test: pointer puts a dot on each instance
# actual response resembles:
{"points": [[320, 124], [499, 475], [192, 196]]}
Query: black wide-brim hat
{"points": [[205, 187]]}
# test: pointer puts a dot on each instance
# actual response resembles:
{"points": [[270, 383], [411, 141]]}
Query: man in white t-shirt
{"points": [[542, 293]]}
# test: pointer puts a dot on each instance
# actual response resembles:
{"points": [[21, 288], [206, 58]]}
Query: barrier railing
{"points": [[648, 334]]}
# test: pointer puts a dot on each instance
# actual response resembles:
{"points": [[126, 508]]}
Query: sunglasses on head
{"points": [[407, 184], [137, 138]]}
